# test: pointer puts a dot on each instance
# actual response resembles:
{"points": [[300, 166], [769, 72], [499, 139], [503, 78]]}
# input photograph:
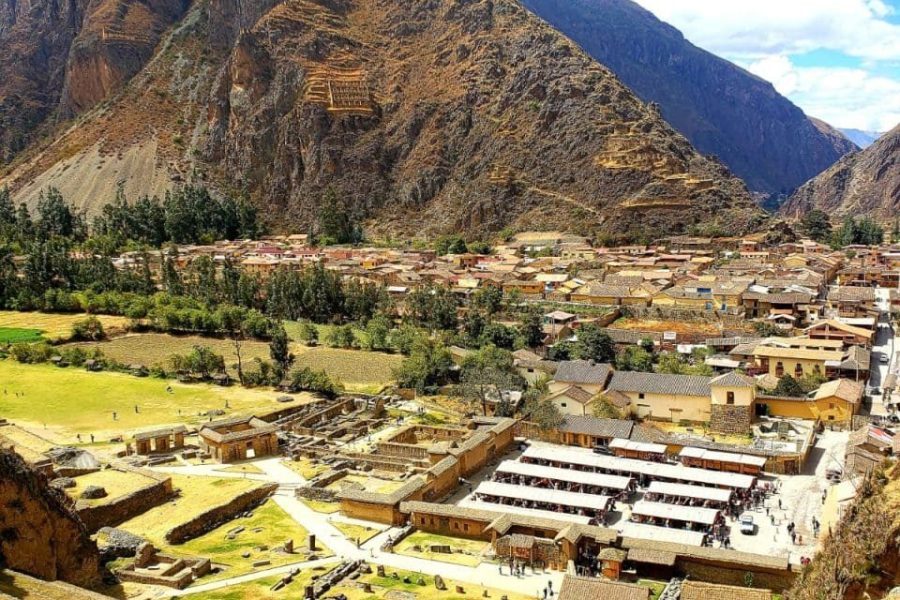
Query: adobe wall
{"points": [[452, 526], [126, 507], [219, 515]]}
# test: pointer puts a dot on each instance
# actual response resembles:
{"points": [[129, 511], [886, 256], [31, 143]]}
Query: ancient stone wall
{"points": [[40, 534], [219, 515], [121, 509], [730, 419], [726, 573]]}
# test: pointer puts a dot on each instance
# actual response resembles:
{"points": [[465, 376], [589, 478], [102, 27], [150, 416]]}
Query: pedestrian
{"points": [[779, 504], [92, 438], [500, 567]]}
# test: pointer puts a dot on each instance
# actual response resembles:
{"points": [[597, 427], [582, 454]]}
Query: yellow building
{"points": [[796, 362], [662, 397]]}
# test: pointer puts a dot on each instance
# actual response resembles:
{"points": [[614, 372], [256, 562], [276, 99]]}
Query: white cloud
{"points": [[764, 35], [758, 28], [844, 97]]}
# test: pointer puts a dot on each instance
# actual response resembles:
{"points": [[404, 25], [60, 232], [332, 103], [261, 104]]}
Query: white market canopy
{"points": [[571, 456], [612, 482]]}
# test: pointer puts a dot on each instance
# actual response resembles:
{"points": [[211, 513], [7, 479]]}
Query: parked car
{"points": [[748, 527], [884, 359], [602, 450]]}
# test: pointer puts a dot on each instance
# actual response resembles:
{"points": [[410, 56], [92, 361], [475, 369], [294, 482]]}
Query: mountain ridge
{"points": [[421, 117], [721, 108]]}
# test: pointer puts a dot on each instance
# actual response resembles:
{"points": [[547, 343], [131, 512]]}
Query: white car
{"points": [[748, 527]]}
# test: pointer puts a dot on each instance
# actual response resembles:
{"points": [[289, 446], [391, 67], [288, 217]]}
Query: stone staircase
{"points": [[673, 590]]}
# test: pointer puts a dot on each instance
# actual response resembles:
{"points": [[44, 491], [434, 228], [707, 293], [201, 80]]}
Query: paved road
{"points": [[885, 344], [485, 574]]}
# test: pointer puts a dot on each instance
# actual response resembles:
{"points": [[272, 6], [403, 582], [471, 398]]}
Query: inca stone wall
{"points": [[730, 419]]}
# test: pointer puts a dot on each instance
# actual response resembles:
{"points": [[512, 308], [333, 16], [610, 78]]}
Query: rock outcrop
{"points": [[722, 109], [862, 183], [39, 532], [58, 59], [423, 117]]}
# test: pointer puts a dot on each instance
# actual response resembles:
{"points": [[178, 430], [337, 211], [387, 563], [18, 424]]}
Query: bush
{"points": [[31, 353], [318, 382], [89, 329]]}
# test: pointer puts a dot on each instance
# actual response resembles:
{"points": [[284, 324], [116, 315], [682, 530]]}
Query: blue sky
{"points": [[838, 60]]}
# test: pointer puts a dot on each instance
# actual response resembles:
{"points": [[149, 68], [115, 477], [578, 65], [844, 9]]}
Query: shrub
{"points": [[89, 329]]}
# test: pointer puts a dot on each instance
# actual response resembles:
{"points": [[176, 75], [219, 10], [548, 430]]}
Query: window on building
{"points": [[466, 527], [779, 369], [562, 404], [729, 398], [640, 396], [798, 371]]}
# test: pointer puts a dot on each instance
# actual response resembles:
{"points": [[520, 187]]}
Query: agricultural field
{"points": [[358, 370], [198, 494], [15, 335], [269, 527], [68, 401], [54, 327], [463, 552]]}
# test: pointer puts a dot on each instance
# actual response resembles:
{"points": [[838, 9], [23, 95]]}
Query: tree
{"points": [[789, 388], [280, 349], [319, 382], [201, 362], [593, 344], [55, 218], [377, 331], [498, 335], [603, 408], [309, 333], [488, 299], [488, 375], [673, 364], [341, 336], [634, 358], [542, 412], [335, 221], [428, 365], [88, 329], [532, 328], [171, 278], [817, 225]]}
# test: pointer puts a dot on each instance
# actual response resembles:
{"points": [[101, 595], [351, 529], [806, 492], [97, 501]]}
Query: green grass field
{"points": [[15, 335], [269, 526], [465, 552], [74, 401], [260, 589], [198, 494]]}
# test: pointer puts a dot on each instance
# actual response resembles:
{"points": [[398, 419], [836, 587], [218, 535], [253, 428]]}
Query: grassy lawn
{"points": [[261, 588], [465, 552], [355, 532], [15, 335], [382, 585], [55, 327], [371, 484], [269, 526], [357, 369], [116, 483], [242, 468], [656, 587], [76, 401], [198, 494], [320, 506], [305, 468]]}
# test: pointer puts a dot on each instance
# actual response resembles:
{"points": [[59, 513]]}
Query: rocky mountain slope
{"points": [[59, 58], [39, 532], [866, 182], [722, 109], [423, 116]]}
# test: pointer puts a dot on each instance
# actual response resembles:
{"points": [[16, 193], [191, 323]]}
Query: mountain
{"points": [[722, 109], [61, 57], [421, 116], [862, 183], [861, 138]]}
